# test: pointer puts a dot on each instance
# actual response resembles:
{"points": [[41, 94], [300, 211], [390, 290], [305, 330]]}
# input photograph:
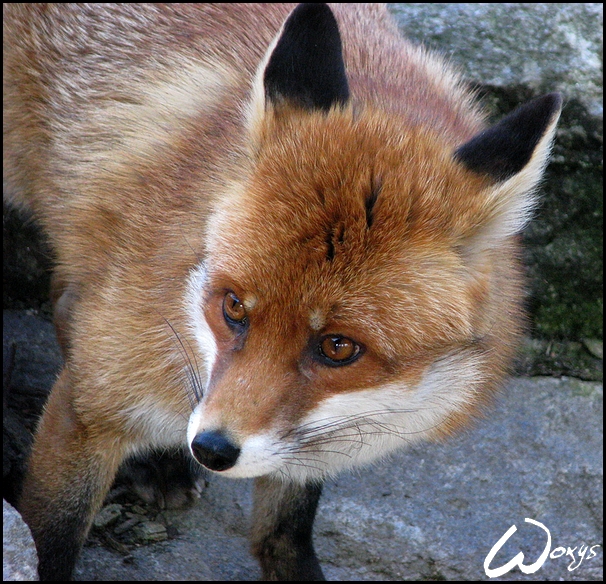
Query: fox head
{"points": [[359, 289]]}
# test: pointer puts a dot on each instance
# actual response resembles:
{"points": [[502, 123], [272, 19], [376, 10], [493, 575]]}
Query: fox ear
{"points": [[513, 154], [306, 65], [505, 149], [303, 66]]}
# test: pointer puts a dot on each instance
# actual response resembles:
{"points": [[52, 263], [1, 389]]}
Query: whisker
{"points": [[342, 422], [192, 367], [313, 437], [198, 258], [296, 461], [338, 420]]}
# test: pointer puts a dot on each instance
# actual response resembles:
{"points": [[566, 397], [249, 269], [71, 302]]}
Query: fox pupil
{"points": [[339, 350], [233, 310]]}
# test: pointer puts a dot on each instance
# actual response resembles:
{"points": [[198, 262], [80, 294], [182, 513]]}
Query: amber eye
{"points": [[335, 350], [233, 310]]}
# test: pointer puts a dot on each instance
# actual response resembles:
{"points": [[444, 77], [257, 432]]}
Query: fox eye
{"points": [[335, 350], [233, 310]]}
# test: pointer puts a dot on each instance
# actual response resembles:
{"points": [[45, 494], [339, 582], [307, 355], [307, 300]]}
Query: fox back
{"points": [[288, 226]]}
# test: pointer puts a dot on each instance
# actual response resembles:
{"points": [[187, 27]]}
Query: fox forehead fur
{"points": [[364, 215]]}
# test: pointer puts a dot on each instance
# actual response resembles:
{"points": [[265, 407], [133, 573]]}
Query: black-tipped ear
{"points": [[306, 67], [505, 149]]}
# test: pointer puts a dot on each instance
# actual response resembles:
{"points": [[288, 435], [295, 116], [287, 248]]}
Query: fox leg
{"points": [[283, 519], [70, 471]]}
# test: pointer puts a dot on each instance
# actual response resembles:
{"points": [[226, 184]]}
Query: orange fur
{"points": [[142, 139]]}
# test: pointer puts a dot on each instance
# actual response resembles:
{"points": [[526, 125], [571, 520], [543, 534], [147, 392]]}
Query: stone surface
{"points": [[19, 560]]}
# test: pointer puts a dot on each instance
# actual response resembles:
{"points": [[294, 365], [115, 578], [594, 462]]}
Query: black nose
{"points": [[214, 450]]}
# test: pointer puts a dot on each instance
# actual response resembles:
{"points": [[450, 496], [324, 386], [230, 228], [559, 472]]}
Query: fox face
{"points": [[349, 297], [337, 321]]}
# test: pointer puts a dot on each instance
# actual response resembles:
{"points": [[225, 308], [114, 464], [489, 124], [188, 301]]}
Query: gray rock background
{"points": [[432, 512], [545, 47], [19, 560]]}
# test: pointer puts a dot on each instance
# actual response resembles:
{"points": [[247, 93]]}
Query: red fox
{"points": [[283, 237]]}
